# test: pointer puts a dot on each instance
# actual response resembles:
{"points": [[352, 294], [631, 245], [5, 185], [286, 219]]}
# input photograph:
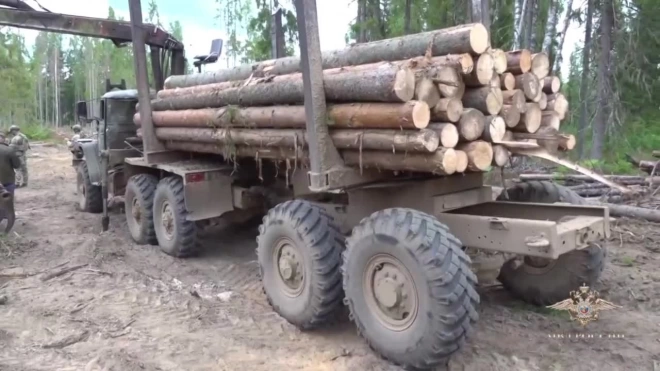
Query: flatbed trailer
{"points": [[393, 247]]}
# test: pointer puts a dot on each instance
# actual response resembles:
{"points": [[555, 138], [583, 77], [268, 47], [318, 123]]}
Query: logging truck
{"points": [[361, 207]]}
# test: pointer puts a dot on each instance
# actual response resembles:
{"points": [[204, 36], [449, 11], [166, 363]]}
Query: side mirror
{"points": [[81, 110]]}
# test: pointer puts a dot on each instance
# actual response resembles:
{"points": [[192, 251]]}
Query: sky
{"points": [[200, 25]]}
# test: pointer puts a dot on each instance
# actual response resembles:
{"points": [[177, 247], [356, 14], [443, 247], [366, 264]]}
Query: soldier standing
{"points": [[21, 145], [8, 163]]}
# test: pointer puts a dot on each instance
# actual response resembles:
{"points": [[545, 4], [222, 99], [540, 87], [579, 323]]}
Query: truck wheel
{"points": [[409, 287], [299, 251], [544, 281], [176, 235], [90, 198], [138, 205]]}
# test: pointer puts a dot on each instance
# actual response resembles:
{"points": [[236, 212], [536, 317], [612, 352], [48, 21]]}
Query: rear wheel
{"points": [[138, 206], [409, 287], [176, 235], [299, 252], [545, 281], [89, 195]]}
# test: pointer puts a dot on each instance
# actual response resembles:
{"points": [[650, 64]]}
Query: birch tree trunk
{"points": [[550, 29], [560, 48], [603, 111]]}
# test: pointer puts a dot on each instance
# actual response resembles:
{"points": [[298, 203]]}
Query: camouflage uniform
{"points": [[20, 144]]}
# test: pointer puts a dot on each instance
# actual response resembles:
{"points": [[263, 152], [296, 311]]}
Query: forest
{"points": [[613, 84]]}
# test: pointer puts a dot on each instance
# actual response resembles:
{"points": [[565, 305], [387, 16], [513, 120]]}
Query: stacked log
{"points": [[441, 102]]}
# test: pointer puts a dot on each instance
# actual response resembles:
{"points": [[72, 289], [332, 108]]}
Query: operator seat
{"points": [[212, 57]]}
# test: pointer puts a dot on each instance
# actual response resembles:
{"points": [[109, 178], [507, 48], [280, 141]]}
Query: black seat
{"points": [[212, 57]]}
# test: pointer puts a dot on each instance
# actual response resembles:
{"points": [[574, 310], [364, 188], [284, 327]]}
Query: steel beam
{"points": [[117, 31], [151, 143], [157, 68], [324, 157]]}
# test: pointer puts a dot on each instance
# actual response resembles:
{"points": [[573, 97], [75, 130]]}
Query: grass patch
{"points": [[37, 132], [524, 307], [627, 261]]}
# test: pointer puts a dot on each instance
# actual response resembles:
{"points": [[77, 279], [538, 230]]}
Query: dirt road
{"points": [[79, 299]]}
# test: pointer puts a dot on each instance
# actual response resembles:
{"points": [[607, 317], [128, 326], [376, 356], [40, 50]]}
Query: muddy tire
{"points": [[90, 198], [547, 282], [299, 252], [176, 235], [409, 287], [139, 208]]}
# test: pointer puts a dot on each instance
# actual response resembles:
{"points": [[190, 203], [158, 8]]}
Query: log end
{"points": [[430, 140], [448, 82], [507, 81], [531, 119], [479, 38], [550, 119], [525, 61], [485, 69], [495, 128], [480, 155], [448, 160], [426, 91], [567, 142], [461, 161], [499, 59], [467, 63], [540, 65], [471, 125], [404, 84], [449, 136], [421, 115], [494, 102], [500, 155], [511, 115]]}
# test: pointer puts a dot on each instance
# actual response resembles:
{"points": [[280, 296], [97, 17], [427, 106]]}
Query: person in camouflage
{"points": [[21, 145], [9, 162], [77, 134]]}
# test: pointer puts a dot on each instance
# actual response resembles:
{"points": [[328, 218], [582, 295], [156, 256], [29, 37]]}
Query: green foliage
{"points": [[37, 132]]}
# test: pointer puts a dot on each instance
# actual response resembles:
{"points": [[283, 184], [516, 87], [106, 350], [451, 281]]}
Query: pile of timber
{"points": [[441, 102]]}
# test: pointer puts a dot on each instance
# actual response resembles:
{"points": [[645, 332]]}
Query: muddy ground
{"points": [[132, 307]]}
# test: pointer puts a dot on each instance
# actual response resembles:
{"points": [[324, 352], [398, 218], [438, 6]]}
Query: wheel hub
{"points": [[167, 220], [290, 267], [391, 292]]}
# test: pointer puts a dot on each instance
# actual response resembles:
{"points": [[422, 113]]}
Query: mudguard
{"points": [[93, 161]]}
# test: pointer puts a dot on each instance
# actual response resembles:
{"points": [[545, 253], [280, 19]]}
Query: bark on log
{"points": [[545, 137], [386, 140], [655, 153], [479, 153], [519, 61], [442, 161], [514, 98], [508, 136], [558, 103], [499, 60], [529, 84], [501, 155], [486, 99], [427, 91], [551, 84], [381, 85], [449, 81], [447, 110], [507, 81], [550, 119], [494, 129], [582, 178], [540, 65], [510, 115], [409, 115], [648, 167], [274, 153], [471, 125], [530, 121], [543, 102], [634, 212], [470, 38], [482, 73], [566, 142], [447, 133], [461, 161]]}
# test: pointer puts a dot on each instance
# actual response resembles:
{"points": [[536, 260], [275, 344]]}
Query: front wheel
{"points": [[90, 198], [176, 235], [409, 287], [545, 281]]}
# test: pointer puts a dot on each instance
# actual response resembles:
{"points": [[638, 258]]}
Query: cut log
{"points": [[518, 61], [427, 91], [507, 81], [410, 115], [447, 110], [540, 65], [558, 103], [461, 161], [486, 99], [482, 73], [586, 178], [651, 215], [501, 155], [655, 153], [514, 98], [508, 136], [550, 119], [231, 152], [447, 133], [387, 140], [470, 38], [448, 81], [566, 142], [545, 137], [471, 125], [381, 85], [649, 167], [464, 63], [543, 102], [510, 115], [479, 153], [529, 84], [530, 121], [539, 97], [494, 129], [551, 84], [442, 161], [499, 60]]}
